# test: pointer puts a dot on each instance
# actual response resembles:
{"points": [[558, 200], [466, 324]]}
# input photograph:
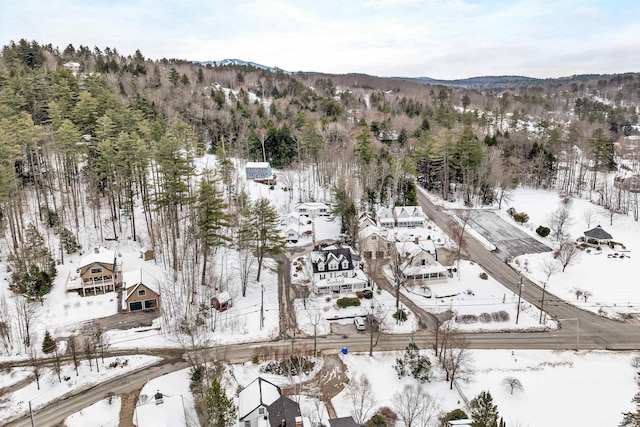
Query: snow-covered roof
{"points": [[411, 211], [169, 413], [408, 249], [382, 232], [257, 165], [259, 392], [132, 278], [312, 205], [99, 254]]}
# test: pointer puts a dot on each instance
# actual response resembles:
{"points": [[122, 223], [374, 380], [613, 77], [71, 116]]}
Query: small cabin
{"points": [[146, 254], [222, 302]]}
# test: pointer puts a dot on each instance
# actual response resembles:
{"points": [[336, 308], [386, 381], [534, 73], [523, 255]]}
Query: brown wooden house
{"points": [[98, 273], [140, 291]]}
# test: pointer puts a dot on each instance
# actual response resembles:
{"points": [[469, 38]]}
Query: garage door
{"points": [[137, 305]]}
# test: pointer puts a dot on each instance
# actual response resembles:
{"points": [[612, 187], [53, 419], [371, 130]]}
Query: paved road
{"points": [[580, 329], [594, 331]]}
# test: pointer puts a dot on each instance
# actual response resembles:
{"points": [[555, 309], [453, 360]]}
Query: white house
{"points": [[258, 170], [313, 209], [336, 269], [291, 233], [418, 265], [409, 216], [385, 217]]}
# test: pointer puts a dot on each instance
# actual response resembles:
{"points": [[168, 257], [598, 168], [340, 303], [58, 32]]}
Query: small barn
{"points": [[597, 236], [222, 302], [140, 291]]}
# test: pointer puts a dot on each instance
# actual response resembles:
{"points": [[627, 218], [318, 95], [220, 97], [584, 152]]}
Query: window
{"points": [[321, 266], [142, 292], [322, 276], [423, 262], [333, 266], [247, 423], [345, 264], [374, 237], [260, 411], [96, 270], [150, 304]]}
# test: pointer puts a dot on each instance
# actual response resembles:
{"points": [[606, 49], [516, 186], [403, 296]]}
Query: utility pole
{"points": [[544, 288], [33, 424], [519, 298], [261, 306]]}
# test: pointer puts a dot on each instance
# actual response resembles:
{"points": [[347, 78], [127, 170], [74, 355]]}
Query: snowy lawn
{"points": [[471, 295], [589, 389], [104, 413]]}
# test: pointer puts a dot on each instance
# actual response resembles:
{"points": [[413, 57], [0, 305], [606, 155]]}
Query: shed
{"points": [[147, 254], [222, 302], [597, 236]]}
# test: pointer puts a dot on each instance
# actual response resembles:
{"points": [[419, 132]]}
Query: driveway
{"points": [[508, 239]]}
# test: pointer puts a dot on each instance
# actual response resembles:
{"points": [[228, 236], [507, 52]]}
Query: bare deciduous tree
{"points": [[549, 267], [588, 215], [457, 361], [567, 253], [72, 345], [361, 395], [36, 365], [559, 220], [415, 406], [512, 384]]}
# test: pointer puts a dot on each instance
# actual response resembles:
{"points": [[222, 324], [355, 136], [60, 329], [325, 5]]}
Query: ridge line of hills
{"points": [[478, 82]]}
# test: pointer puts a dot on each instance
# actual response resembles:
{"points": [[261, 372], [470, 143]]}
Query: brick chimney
{"points": [[298, 421], [416, 240]]}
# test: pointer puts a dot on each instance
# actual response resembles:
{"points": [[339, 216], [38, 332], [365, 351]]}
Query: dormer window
{"points": [[333, 265], [321, 266], [345, 265]]}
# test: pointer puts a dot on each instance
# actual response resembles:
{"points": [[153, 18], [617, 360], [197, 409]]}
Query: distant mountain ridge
{"points": [[480, 82], [233, 61]]}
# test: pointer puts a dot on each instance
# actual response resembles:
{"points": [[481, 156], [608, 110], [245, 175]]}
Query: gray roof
{"points": [[283, 409], [598, 233], [343, 422]]}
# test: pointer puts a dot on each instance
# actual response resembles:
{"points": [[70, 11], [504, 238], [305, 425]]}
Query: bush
{"points": [[521, 217], [511, 212], [467, 318], [504, 316], [484, 276], [376, 421], [400, 314], [414, 364], [293, 366], [348, 302], [543, 231], [485, 317]]}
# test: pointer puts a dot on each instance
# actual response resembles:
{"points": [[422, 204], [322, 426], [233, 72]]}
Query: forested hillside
{"points": [[87, 132]]}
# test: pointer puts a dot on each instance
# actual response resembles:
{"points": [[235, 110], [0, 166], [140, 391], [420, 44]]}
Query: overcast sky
{"points": [[443, 39]]}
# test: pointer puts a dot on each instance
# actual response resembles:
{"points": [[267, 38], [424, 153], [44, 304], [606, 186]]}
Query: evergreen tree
{"points": [[212, 219], [484, 413], [263, 226], [219, 409], [632, 419], [48, 343]]}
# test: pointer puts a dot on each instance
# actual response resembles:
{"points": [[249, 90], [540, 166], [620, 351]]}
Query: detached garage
{"points": [[140, 292]]}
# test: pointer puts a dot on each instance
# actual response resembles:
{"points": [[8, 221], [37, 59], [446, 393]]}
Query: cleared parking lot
{"points": [[508, 239]]}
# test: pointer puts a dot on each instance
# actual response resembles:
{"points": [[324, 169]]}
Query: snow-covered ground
{"points": [[587, 389], [104, 413], [51, 389]]}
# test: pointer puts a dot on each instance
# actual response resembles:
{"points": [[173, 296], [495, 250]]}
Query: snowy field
{"points": [[587, 389], [104, 413]]}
